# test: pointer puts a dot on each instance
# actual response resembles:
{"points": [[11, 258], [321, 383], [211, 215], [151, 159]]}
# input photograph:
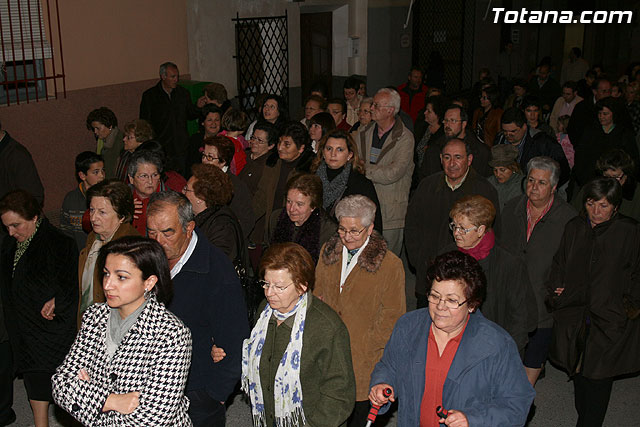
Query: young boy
{"points": [[89, 172]]}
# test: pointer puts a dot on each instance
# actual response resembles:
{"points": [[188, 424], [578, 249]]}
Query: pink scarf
{"points": [[482, 249]]}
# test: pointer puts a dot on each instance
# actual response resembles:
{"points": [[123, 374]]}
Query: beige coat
{"points": [[391, 175], [372, 299]]}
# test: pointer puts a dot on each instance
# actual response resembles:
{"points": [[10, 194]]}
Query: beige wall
{"points": [[118, 41]]}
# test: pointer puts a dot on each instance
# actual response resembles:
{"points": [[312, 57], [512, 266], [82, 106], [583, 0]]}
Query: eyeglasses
{"points": [[376, 105], [453, 227], [130, 136], [209, 157], [454, 121], [147, 177], [353, 233], [258, 140], [278, 288], [186, 189], [451, 303]]}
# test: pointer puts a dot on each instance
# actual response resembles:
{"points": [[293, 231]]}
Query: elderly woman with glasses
{"points": [[261, 149], [145, 177], [364, 283], [296, 365], [510, 301], [594, 294], [450, 355]]}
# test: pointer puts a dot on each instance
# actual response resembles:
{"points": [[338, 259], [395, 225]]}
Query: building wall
{"points": [[111, 55]]}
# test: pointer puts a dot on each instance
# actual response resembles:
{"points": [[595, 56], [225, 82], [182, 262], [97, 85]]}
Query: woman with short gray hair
{"points": [[363, 282], [145, 173]]}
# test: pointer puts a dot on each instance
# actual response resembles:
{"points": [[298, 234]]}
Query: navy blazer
{"points": [[208, 299], [486, 380]]}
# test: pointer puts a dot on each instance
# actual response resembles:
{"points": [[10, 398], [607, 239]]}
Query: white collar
{"points": [[346, 269], [185, 256]]}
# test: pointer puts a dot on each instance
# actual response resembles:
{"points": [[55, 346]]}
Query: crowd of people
{"points": [[266, 256]]}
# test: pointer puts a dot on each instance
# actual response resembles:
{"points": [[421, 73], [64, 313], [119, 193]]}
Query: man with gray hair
{"points": [[363, 282], [532, 226], [207, 297], [386, 148], [167, 107]]}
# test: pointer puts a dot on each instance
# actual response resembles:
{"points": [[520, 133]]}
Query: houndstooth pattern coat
{"points": [[153, 358]]}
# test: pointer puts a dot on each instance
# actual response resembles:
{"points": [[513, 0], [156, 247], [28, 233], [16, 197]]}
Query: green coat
{"points": [[326, 372]]}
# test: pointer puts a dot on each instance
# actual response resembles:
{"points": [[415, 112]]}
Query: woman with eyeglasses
{"points": [[363, 281], [450, 355], [486, 119], [593, 293], [210, 125], [296, 365], [261, 150], [510, 301]]}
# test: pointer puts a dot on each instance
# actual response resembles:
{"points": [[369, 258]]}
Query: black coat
{"points": [[599, 269], [168, 117], [538, 251], [241, 204], [426, 228], [583, 117], [252, 171], [595, 143], [48, 269], [221, 227], [537, 143]]}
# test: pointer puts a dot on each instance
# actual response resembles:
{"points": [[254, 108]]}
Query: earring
{"points": [[147, 293]]}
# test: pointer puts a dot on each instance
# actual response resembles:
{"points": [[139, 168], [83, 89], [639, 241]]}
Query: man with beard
{"points": [[455, 126], [427, 221]]}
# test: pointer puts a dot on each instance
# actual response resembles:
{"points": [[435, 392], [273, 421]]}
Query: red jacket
{"points": [[417, 102]]}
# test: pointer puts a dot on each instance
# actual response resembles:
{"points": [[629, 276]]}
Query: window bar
{"points": [[4, 67], [53, 62], [24, 63], [13, 55], [42, 38], [64, 83], [33, 49]]}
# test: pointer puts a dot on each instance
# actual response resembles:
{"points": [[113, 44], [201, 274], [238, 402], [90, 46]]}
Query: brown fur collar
{"points": [[370, 259]]}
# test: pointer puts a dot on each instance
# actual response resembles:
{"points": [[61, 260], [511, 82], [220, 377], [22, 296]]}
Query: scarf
{"points": [[117, 327], [332, 189], [307, 235], [287, 390], [484, 246], [21, 247]]}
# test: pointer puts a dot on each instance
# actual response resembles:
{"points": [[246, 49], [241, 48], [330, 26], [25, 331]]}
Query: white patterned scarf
{"points": [[287, 390]]}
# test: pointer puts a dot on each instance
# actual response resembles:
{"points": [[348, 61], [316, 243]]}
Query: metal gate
{"points": [[262, 59], [446, 27]]}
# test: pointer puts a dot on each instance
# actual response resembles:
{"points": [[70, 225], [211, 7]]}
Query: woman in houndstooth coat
{"points": [[129, 363]]}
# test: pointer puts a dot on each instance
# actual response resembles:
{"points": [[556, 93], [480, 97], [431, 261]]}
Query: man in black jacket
{"points": [[584, 114], [167, 107], [530, 142]]}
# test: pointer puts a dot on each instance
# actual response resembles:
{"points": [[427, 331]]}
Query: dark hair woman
{"points": [[130, 360], [109, 139], [486, 119], [303, 220], [319, 126], [39, 296], [339, 167], [465, 355], [136, 132], [593, 295], [111, 211], [296, 365], [210, 125]]}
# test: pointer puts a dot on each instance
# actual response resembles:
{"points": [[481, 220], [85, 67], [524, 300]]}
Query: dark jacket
{"points": [[46, 270], [538, 252], [488, 131], [168, 117], [220, 226], [326, 372], [311, 235], [583, 117], [510, 301], [548, 93], [481, 156], [426, 228], [595, 143], [208, 299], [241, 204], [537, 143], [599, 269], [252, 171], [17, 170], [486, 380]]}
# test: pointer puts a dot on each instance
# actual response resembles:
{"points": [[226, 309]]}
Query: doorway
{"points": [[316, 31]]}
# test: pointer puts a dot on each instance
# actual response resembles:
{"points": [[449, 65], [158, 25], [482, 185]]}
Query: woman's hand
{"points": [[217, 353], [558, 291], [122, 403], [455, 419], [376, 396], [83, 375], [48, 308], [137, 208]]}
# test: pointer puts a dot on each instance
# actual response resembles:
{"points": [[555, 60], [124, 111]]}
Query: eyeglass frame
{"points": [[453, 227], [146, 177], [445, 300], [454, 121], [258, 140], [209, 157], [352, 233], [278, 289]]}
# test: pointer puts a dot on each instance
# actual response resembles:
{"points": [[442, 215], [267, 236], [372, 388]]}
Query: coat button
{"points": [[75, 407], [113, 377]]}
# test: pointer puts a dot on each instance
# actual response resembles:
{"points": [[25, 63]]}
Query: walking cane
{"points": [[373, 413]]}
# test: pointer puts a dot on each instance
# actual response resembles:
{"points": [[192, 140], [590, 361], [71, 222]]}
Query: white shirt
{"points": [[185, 256], [346, 269]]}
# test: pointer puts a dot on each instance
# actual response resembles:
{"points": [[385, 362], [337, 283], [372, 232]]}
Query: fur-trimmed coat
{"points": [[372, 299], [153, 359]]}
